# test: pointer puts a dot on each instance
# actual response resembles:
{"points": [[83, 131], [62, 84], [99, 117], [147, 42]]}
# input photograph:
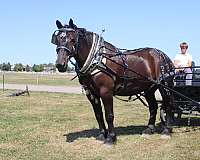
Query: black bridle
{"points": [[70, 52]]}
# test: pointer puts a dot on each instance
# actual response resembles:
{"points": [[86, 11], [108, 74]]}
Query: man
{"points": [[184, 59]]}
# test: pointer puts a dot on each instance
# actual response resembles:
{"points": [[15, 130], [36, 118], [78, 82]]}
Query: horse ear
{"points": [[59, 24], [71, 23]]}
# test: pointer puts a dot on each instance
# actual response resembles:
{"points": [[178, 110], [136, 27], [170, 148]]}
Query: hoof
{"points": [[149, 131], [110, 140], [166, 133], [101, 137]]}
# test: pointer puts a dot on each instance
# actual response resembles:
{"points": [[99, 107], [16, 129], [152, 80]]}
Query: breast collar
{"points": [[93, 56]]}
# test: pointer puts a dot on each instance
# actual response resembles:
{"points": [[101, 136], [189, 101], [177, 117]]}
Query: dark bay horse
{"points": [[104, 71]]}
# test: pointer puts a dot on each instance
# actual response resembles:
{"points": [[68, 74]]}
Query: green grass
{"points": [[62, 126], [38, 78]]}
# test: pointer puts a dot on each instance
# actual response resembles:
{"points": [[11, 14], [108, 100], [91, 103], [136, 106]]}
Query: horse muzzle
{"points": [[62, 60], [61, 67]]}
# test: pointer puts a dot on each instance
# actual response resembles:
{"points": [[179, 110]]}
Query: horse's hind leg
{"points": [[153, 106], [96, 104]]}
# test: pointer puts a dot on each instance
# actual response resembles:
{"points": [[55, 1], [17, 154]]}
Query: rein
{"points": [[130, 99], [155, 82]]}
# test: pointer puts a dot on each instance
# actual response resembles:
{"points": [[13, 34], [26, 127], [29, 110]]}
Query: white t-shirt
{"points": [[183, 59]]}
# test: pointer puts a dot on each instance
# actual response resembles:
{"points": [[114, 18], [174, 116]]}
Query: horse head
{"points": [[65, 38]]}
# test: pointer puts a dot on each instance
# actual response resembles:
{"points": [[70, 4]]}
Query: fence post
{"points": [[3, 81], [37, 79]]}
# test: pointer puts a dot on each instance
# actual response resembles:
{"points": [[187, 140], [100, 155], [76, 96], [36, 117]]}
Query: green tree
{"points": [[3, 67], [18, 67], [35, 68], [38, 68], [49, 67], [6, 67], [52, 66]]}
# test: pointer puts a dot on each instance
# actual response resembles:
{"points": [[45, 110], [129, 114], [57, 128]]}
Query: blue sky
{"points": [[27, 26]]}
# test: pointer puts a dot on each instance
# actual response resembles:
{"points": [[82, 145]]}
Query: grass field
{"points": [[62, 126], [38, 78]]}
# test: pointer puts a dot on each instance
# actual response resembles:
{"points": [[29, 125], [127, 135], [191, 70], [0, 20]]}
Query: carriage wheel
{"points": [[162, 115], [179, 114], [176, 116]]}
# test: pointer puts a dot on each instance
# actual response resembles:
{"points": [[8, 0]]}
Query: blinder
{"points": [[55, 34], [54, 37]]}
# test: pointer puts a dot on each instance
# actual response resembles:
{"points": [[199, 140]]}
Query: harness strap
{"points": [[63, 47], [166, 70], [157, 83], [87, 64], [130, 99]]}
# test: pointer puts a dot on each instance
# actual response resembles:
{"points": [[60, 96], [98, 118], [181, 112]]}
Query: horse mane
{"points": [[111, 47], [83, 33]]}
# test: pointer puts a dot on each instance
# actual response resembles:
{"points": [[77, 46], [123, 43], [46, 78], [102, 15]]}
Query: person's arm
{"points": [[190, 61], [177, 63]]}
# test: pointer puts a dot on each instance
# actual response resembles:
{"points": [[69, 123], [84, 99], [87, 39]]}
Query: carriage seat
{"points": [[196, 77], [180, 78]]}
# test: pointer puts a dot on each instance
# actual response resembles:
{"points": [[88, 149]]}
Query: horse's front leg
{"points": [[107, 98], [96, 104]]}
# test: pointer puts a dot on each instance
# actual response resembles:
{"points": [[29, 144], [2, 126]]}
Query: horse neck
{"points": [[84, 46]]}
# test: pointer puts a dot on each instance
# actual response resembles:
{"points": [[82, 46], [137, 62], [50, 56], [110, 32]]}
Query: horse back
{"points": [[145, 61], [141, 64]]}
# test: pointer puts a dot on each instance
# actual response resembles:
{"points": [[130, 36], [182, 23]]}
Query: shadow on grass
{"points": [[128, 130], [132, 130]]}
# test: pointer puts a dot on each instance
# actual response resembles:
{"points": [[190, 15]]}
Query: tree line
{"points": [[19, 67]]}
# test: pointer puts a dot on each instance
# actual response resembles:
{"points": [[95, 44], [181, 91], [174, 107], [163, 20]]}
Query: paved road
{"points": [[45, 88]]}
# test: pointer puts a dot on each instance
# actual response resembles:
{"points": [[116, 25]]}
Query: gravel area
{"points": [[45, 88]]}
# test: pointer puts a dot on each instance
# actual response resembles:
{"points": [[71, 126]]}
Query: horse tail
{"points": [[167, 67]]}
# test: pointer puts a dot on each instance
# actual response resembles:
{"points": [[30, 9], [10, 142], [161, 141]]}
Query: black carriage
{"points": [[189, 102]]}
